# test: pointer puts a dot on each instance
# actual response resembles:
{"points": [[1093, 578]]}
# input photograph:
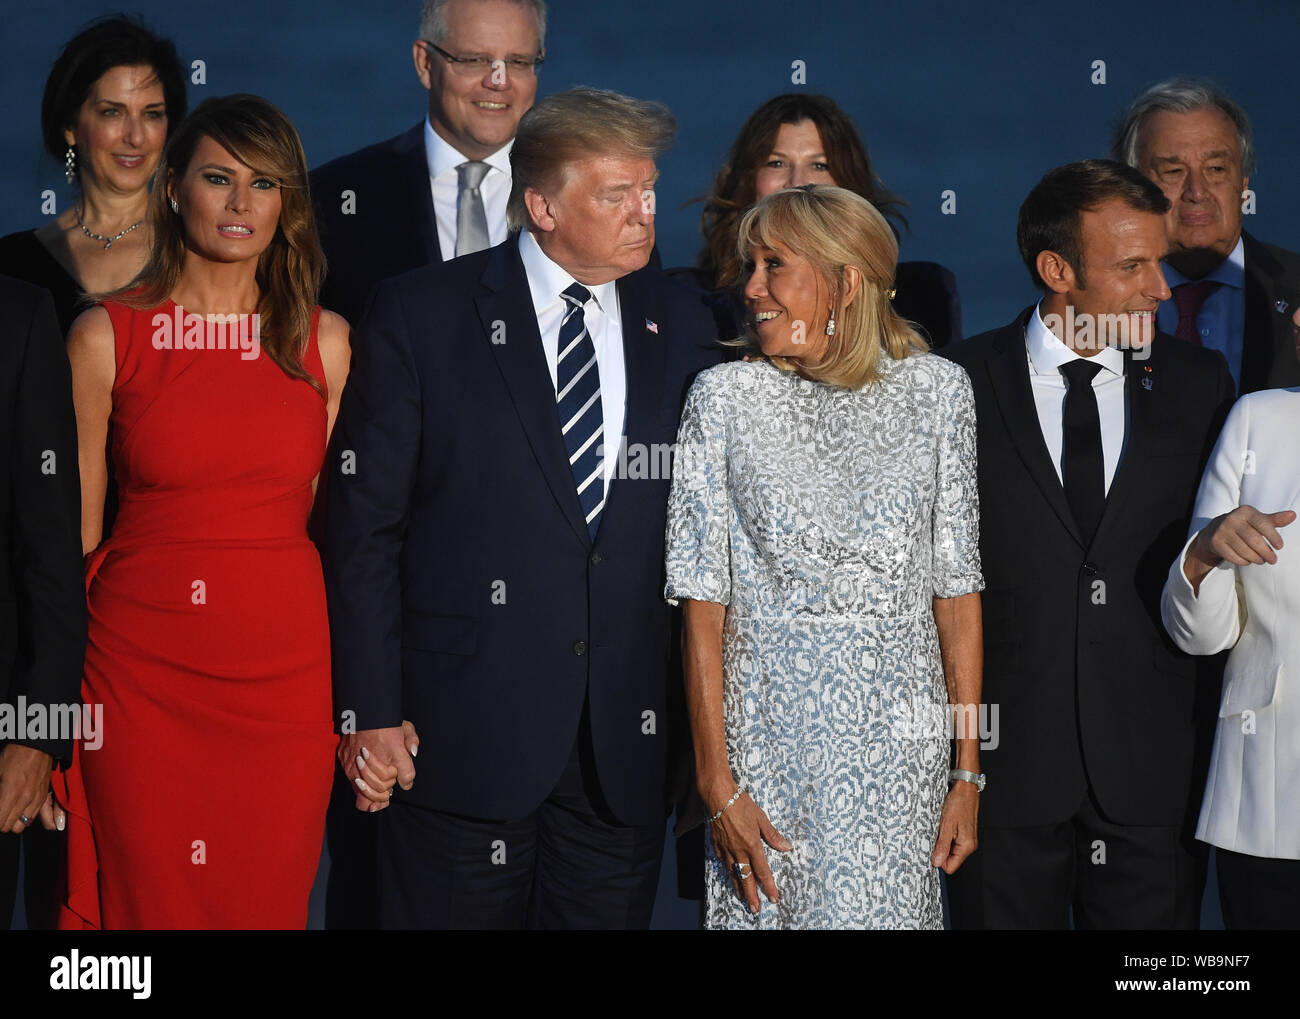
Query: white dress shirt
{"points": [[444, 179], [1046, 355], [1221, 322], [547, 281]]}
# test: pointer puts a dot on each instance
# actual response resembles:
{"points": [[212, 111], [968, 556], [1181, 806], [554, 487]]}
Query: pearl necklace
{"points": [[108, 241]]}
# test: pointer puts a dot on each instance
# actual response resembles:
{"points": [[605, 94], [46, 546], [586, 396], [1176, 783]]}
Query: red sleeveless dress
{"points": [[204, 805]]}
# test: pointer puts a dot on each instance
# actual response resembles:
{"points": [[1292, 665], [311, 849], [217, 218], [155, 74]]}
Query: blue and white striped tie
{"points": [[577, 393]]}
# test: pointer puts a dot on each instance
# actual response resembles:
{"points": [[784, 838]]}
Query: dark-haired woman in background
{"points": [[110, 99], [794, 140], [208, 642]]}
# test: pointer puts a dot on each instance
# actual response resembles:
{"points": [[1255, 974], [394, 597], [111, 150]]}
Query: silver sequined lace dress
{"points": [[827, 520]]}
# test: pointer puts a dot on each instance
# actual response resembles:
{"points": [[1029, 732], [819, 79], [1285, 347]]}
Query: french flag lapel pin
{"points": [[652, 326]]}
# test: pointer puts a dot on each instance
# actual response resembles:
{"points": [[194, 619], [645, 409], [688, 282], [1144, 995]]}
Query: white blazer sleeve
{"points": [[1210, 622]]}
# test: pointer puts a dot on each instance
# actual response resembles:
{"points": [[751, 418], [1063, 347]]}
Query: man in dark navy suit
{"points": [[434, 192], [440, 189], [494, 552]]}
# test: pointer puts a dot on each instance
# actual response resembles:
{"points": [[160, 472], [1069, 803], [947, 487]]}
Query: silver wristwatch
{"points": [[958, 775]]}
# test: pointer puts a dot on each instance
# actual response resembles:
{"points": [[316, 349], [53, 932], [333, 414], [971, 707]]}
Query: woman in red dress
{"points": [[219, 378]]}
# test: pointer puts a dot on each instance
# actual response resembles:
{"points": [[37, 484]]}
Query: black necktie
{"points": [[1083, 466]]}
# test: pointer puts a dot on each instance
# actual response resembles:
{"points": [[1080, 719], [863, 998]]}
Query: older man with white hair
{"points": [[494, 565], [1230, 292]]}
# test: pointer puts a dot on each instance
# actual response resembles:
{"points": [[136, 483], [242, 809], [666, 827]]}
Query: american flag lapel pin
{"points": [[652, 326]]}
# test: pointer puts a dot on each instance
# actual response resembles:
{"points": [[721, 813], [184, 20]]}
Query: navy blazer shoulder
{"points": [[42, 589], [374, 214]]}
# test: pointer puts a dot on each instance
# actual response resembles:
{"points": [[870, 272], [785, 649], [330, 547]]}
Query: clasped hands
{"points": [[25, 790], [375, 760]]}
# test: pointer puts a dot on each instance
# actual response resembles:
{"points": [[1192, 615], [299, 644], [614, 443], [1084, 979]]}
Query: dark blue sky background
{"points": [[978, 98]]}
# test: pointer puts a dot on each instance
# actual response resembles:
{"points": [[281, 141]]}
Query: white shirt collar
{"points": [[1047, 353], [547, 279], [1231, 272], [443, 157]]}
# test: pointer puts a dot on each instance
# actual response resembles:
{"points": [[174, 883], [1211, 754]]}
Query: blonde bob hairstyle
{"points": [[834, 228]]}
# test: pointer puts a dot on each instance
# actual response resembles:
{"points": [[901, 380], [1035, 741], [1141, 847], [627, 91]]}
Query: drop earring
{"points": [[830, 324], [175, 208], [70, 164]]}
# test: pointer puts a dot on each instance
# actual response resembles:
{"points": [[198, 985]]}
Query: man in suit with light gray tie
{"points": [[435, 192], [438, 190]]}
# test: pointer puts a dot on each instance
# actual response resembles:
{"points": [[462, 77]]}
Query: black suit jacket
{"points": [[465, 592], [1089, 690], [1268, 358], [390, 227], [42, 591]]}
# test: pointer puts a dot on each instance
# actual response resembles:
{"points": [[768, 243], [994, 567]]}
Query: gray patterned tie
{"points": [[471, 220]]}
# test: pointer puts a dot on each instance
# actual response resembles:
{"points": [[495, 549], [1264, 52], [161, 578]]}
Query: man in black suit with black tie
{"points": [[42, 597], [1093, 429], [494, 556], [438, 190], [1230, 292]]}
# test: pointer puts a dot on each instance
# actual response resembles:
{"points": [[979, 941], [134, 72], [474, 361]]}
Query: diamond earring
{"points": [[70, 164], [175, 208], [830, 325]]}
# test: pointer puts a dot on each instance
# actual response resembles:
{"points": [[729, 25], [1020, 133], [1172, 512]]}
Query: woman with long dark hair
{"points": [[794, 140], [208, 642]]}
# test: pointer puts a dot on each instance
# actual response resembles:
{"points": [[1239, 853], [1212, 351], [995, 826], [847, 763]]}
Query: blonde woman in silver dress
{"points": [[823, 538]]}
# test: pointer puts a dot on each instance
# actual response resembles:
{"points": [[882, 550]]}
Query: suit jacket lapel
{"points": [[643, 365], [413, 192], [506, 312], [1265, 331], [1009, 372]]}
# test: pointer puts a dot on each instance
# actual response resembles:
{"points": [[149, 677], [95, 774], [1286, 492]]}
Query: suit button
{"points": [[579, 647], [1090, 569], [595, 559]]}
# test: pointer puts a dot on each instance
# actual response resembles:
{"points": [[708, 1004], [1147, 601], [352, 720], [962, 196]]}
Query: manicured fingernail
{"points": [[365, 753], [360, 762], [415, 750], [60, 821], [361, 783]]}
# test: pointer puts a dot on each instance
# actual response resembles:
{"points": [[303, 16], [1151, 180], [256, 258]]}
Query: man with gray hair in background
{"points": [[1230, 292], [438, 190], [494, 550]]}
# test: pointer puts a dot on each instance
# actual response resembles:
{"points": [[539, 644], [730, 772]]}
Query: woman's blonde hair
{"points": [[834, 228], [290, 270]]}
